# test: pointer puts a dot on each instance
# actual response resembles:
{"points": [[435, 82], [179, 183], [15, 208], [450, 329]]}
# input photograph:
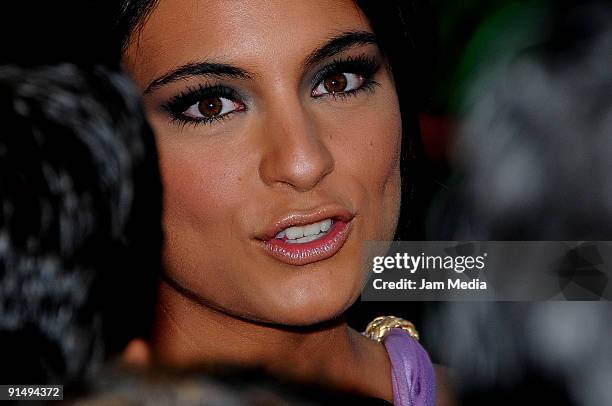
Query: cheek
{"points": [[204, 191], [197, 201], [381, 152], [369, 158], [389, 183], [187, 192], [202, 177]]}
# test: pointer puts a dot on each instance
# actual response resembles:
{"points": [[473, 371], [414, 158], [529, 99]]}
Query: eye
{"points": [[211, 108], [338, 83]]}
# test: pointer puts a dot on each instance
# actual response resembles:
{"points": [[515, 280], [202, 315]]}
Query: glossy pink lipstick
{"points": [[324, 246]]}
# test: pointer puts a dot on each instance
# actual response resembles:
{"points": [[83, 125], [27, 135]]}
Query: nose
{"points": [[294, 152]]}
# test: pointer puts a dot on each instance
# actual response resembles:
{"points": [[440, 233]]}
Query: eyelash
{"points": [[180, 103], [364, 66]]}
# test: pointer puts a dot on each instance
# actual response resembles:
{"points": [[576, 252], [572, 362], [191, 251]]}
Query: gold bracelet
{"points": [[381, 326]]}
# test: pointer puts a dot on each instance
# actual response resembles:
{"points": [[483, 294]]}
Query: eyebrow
{"points": [[197, 69], [339, 44], [334, 46]]}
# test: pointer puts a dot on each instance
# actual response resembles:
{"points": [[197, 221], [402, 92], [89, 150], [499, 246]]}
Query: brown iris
{"points": [[210, 107], [335, 83]]}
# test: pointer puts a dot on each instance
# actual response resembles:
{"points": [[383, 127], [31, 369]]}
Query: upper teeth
{"points": [[313, 229]]}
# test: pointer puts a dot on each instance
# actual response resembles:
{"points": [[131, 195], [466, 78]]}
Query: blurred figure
{"points": [[80, 196], [534, 155], [220, 386], [535, 148], [80, 221]]}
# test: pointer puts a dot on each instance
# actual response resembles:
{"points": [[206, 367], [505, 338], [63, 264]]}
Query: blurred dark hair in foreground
{"points": [[534, 161], [80, 221], [209, 385]]}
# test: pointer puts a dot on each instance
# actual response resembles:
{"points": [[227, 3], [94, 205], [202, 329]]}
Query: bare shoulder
{"points": [[445, 394]]}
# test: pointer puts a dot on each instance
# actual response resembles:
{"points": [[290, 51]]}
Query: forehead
{"points": [[249, 33]]}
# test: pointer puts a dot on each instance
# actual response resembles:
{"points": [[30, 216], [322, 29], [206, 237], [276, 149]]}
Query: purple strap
{"points": [[412, 373]]}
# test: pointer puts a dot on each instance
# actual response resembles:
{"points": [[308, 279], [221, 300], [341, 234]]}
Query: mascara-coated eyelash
{"points": [[362, 68], [185, 107]]}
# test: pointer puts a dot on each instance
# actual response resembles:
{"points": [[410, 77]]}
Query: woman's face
{"points": [[278, 129]]}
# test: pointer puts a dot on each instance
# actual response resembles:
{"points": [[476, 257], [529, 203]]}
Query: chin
{"points": [[311, 308], [317, 295]]}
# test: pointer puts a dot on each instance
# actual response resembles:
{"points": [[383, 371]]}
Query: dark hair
{"points": [[80, 221], [400, 29], [211, 384]]}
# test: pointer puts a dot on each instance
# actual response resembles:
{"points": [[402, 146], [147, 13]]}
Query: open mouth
{"points": [[304, 234], [301, 245]]}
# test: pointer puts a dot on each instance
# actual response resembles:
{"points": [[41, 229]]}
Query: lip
{"points": [[313, 251]]}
